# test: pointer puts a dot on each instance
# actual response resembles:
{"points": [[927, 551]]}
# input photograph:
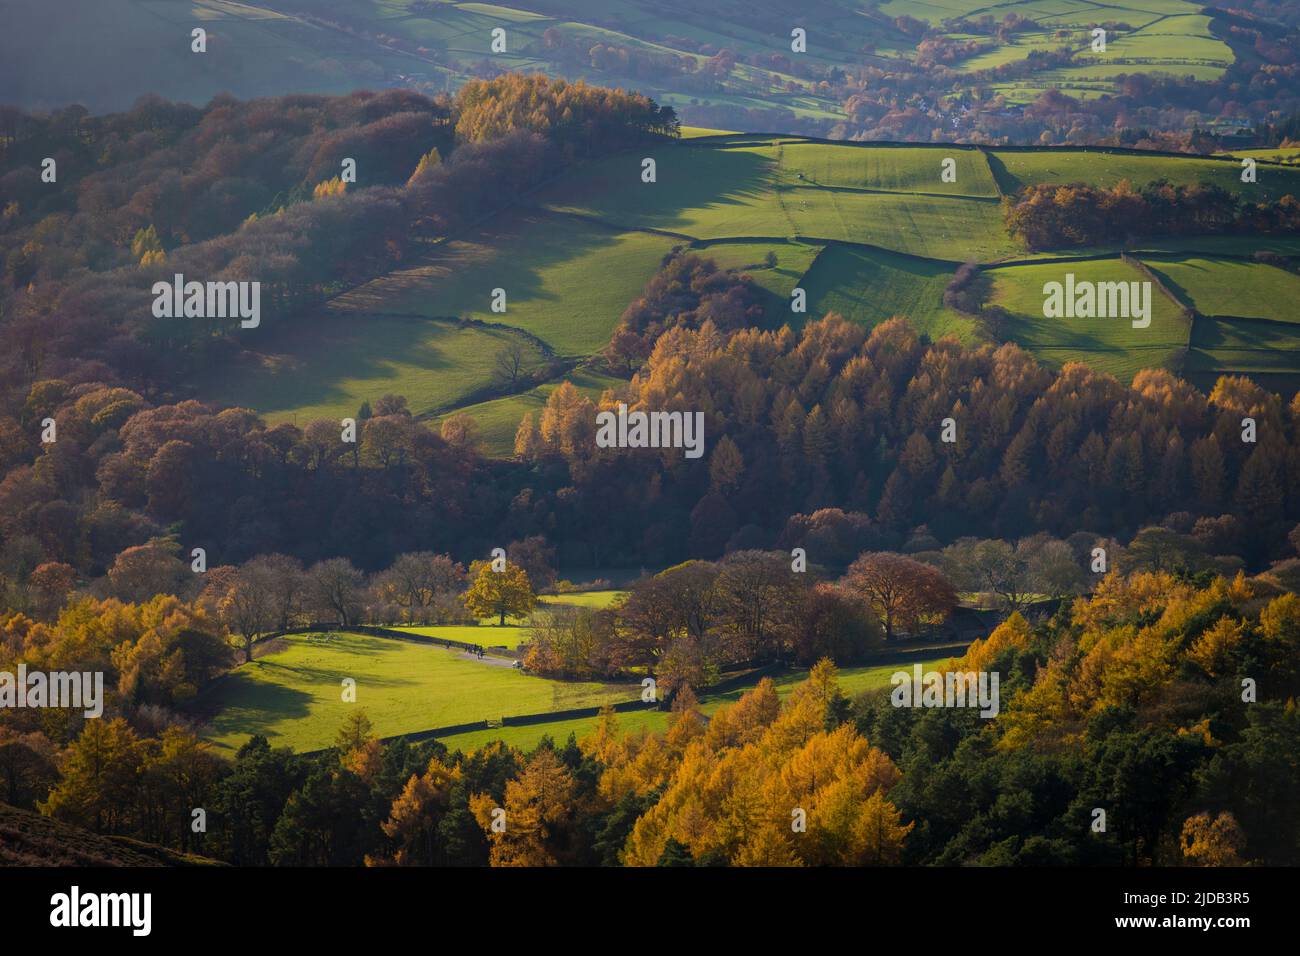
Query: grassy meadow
{"points": [[351, 358], [870, 286], [1110, 344], [293, 695], [1233, 287], [566, 282]]}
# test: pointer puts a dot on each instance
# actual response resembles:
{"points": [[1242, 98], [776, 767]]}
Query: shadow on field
{"points": [[244, 703], [685, 179]]}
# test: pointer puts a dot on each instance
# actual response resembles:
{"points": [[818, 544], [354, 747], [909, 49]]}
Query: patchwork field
{"points": [[663, 48], [723, 191], [1247, 321], [868, 231], [1151, 36]]}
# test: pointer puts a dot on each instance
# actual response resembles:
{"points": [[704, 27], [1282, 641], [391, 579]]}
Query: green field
{"points": [[868, 286], [293, 695], [1111, 344], [951, 229], [1248, 323], [705, 192], [896, 169], [566, 282], [485, 635], [488, 633], [1017, 169], [593, 599], [721, 191], [1287, 154], [351, 358], [1231, 287]]}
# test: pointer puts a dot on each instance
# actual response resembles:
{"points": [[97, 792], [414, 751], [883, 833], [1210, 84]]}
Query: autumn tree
{"points": [[248, 606], [140, 572], [901, 592], [100, 776], [499, 594], [412, 824], [418, 581], [539, 811], [49, 585], [1212, 841], [335, 587]]}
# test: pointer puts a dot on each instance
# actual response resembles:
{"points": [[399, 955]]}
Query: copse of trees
{"points": [[580, 120], [1047, 216], [686, 624], [1137, 689], [687, 291], [189, 174]]}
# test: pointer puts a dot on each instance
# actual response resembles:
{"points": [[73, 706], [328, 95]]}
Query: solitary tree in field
{"points": [[901, 592], [510, 365], [499, 593]]}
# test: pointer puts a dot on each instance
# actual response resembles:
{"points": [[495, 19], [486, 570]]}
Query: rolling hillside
{"points": [[868, 231]]}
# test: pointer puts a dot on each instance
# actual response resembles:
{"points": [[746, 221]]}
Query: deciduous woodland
{"points": [[1136, 541]]}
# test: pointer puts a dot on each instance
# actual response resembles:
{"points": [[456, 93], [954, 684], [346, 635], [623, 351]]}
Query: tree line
{"points": [[1048, 216]]}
